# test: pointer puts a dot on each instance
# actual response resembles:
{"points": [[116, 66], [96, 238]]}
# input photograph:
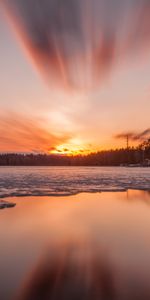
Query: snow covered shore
{"points": [[5, 204]]}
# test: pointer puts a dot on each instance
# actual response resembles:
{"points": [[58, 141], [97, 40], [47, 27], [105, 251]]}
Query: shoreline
{"points": [[65, 194], [7, 203]]}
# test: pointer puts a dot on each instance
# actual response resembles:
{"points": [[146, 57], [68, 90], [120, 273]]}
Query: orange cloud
{"points": [[21, 134]]}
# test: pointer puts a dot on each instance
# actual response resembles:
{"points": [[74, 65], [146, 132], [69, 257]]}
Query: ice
{"points": [[5, 204], [64, 181]]}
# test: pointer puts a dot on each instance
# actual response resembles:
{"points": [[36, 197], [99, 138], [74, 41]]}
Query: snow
{"points": [[64, 181], [6, 204]]}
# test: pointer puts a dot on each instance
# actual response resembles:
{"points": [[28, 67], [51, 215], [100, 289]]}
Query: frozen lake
{"points": [[57, 181]]}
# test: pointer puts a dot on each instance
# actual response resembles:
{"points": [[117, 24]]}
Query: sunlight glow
{"points": [[74, 147]]}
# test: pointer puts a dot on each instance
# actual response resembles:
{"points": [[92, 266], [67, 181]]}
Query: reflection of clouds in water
{"points": [[106, 244], [71, 272], [79, 272]]}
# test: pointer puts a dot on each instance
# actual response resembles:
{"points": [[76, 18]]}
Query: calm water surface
{"points": [[97, 243]]}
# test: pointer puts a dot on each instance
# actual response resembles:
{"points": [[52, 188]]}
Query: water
{"points": [[82, 245], [44, 181], [94, 243]]}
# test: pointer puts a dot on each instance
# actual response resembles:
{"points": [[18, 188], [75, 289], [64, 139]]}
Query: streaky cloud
{"points": [[76, 44], [134, 136], [23, 134]]}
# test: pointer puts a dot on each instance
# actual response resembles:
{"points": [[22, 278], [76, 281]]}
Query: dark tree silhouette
{"points": [[135, 155]]}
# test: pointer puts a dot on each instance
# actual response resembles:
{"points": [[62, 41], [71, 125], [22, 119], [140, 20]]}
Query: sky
{"points": [[73, 74]]}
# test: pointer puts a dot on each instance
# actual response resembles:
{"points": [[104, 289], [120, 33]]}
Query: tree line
{"points": [[132, 155]]}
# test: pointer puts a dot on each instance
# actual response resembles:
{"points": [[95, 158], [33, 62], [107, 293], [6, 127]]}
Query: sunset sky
{"points": [[71, 86]]}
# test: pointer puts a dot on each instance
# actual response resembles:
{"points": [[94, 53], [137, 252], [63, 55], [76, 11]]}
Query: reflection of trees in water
{"points": [[137, 195], [75, 272]]}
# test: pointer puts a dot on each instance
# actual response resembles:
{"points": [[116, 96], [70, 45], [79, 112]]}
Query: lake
{"points": [[75, 233]]}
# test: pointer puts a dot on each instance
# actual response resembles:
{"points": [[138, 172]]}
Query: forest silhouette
{"points": [[139, 155]]}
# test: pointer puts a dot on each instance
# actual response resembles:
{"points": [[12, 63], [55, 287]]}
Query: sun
{"points": [[74, 147]]}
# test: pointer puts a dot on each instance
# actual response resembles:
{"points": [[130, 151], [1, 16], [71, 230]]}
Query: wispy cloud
{"points": [[22, 134], [134, 136], [76, 43]]}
